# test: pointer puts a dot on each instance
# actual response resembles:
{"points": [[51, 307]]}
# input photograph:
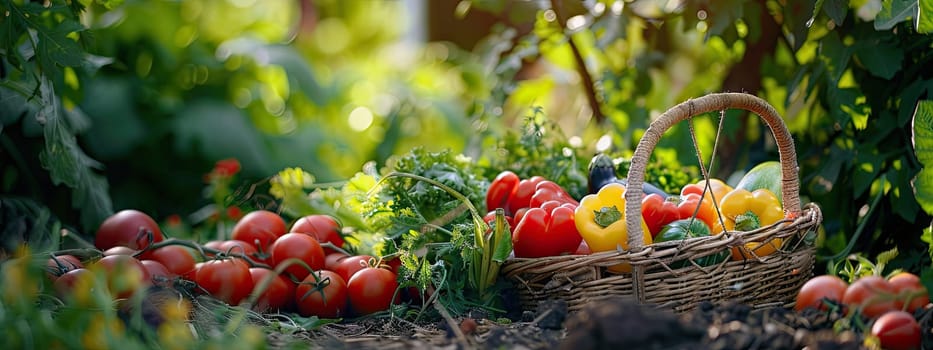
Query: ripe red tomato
{"points": [[322, 227], [910, 292], [226, 279], [158, 273], [328, 302], [120, 250], [193, 274], [78, 278], [177, 259], [872, 294], [259, 228], [233, 246], [130, 228], [278, 295], [299, 246], [331, 260], [125, 274], [371, 290], [394, 263], [59, 265], [349, 266], [897, 330], [816, 289], [215, 244]]}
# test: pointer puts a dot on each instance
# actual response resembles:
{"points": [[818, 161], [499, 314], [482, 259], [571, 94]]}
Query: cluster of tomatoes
{"points": [[266, 264], [888, 303]]}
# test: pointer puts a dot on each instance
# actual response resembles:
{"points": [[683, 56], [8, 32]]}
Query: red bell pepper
{"points": [[521, 196], [658, 211], [549, 191], [548, 230], [508, 192], [500, 190]]}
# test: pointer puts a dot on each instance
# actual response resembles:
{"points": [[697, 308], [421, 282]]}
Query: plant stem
{"points": [[589, 87]]}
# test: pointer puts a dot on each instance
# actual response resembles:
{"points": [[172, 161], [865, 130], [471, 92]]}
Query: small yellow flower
{"points": [[176, 311], [18, 279], [101, 332], [290, 180], [175, 335]]}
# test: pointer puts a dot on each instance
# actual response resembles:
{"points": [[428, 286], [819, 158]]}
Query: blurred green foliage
{"points": [[129, 103]]}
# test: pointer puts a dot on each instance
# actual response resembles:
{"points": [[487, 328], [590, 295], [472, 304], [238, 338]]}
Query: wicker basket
{"points": [[765, 281]]}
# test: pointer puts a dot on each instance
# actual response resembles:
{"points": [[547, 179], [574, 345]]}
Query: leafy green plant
{"points": [[868, 89], [847, 77], [43, 54]]}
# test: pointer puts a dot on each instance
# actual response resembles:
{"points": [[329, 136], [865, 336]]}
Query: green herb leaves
{"points": [[923, 148]]}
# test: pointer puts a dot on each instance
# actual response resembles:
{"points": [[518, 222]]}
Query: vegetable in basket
{"points": [[542, 213], [745, 211], [600, 219], [717, 190], [765, 175], [658, 211], [507, 191], [689, 228], [548, 230], [603, 172]]}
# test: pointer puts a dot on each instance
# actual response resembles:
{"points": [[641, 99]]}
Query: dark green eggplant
{"points": [[602, 172]]}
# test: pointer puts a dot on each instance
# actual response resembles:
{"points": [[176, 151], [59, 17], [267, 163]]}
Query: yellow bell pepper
{"points": [[746, 211], [600, 219]]}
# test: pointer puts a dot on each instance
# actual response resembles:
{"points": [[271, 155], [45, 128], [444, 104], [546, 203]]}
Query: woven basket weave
{"points": [[760, 281]]}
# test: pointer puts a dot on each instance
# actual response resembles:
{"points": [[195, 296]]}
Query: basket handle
{"points": [[790, 184]]}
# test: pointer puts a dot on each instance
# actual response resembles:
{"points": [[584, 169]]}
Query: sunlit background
{"points": [[329, 85]]}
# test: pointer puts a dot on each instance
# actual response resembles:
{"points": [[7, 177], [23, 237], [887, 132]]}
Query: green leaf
{"points": [[835, 56], [27, 221], [894, 12], [830, 168], [91, 63], [62, 49], [836, 10], [13, 106], [12, 30], [926, 277], [798, 17], [923, 148], [927, 237], [907, 96], [92, 197], [885, 257], [881, 59], [924, 19], [68, 164], [501, 237], [723, 14], [901, 195], [850, 106], [867, 165]]}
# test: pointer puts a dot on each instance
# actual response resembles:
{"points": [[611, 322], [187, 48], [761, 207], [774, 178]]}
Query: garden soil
{"points": [[611, 324]]}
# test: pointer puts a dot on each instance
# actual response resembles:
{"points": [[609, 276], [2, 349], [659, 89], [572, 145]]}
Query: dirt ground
{"points": [[617, 324]]}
